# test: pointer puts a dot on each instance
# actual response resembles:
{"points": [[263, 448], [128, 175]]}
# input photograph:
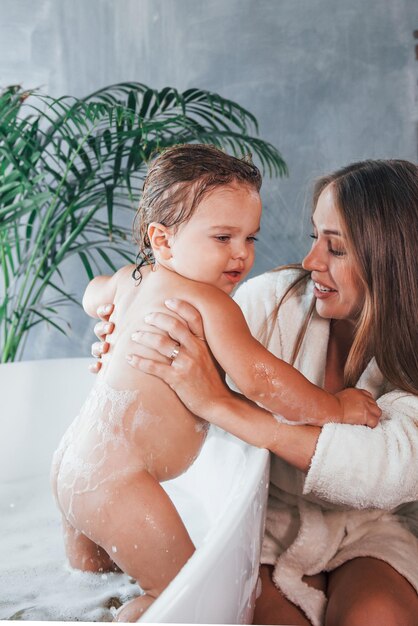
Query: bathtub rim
{"points": [[211, 548]]}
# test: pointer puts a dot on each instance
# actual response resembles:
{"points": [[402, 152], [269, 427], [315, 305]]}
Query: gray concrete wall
{"points": [[330, 82]]}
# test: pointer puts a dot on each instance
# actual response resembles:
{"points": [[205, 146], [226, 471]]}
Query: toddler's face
{"points": [[216, 246]]}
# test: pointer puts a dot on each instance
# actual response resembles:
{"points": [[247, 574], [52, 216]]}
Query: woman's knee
{"points": [[374, 609]]}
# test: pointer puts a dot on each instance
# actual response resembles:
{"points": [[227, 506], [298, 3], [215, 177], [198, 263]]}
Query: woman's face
{"points": [[338, 289]]}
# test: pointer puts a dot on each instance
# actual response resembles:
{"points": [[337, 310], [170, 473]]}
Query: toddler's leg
{"points": [[146, 538], [83, 553]]}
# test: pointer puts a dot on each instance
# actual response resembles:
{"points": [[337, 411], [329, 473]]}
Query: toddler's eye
{"points": [[223, 238], [252, 239], [313, 236]]}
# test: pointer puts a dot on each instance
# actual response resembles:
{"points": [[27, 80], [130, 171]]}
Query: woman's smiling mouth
{"points": [[322, 287], [322, 291]]}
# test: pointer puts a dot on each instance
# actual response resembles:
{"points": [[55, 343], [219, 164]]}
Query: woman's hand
{"points": [[101, 330], [180, 357], [183, 360]]}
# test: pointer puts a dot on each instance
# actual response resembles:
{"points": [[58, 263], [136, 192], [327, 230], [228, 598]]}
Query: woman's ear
{"points": [[160, 236]]}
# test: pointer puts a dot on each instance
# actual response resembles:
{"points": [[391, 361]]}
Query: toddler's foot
{"points": [[133, 610]]}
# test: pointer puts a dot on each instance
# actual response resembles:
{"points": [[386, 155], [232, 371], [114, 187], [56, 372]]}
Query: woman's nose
{"points": [[314, 260]]}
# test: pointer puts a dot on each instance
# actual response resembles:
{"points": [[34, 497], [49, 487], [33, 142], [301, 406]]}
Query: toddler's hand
{"points": [[101, 330], [358, 407]]}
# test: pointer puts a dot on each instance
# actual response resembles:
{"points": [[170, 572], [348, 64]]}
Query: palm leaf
{"points": [[71, 168]]}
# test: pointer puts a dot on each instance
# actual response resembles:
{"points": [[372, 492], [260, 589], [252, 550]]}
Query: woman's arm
{"points": [[366, 468], [351, 465], [195, 379], [264, 378], [239, 416]]}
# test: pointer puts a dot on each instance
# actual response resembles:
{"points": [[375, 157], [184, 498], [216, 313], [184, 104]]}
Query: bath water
{"points": [[36, 582]]}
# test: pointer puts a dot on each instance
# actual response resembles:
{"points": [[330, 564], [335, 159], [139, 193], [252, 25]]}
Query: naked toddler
{"points": [[197, 222]]}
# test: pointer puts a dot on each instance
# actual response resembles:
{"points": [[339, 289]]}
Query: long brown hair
{"points": [[177, 180], [378, 206]]}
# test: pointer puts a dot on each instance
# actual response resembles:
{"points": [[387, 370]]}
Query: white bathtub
{"points": [[221, 498]]}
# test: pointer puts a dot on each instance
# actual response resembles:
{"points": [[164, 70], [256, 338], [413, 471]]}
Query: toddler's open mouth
{"points": [[234, 276]]}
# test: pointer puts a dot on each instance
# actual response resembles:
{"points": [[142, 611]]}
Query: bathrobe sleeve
{"points": [[354, 466], [369, 468]]}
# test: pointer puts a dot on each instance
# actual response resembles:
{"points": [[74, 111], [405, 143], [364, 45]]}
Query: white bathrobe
{"points": [[358, 498]]}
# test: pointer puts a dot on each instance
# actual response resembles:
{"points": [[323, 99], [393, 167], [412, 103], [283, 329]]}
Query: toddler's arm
{"points": [[102, 289], [269, 381]]}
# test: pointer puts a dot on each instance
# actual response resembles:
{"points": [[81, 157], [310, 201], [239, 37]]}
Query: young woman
{"points": [[341, 542]]}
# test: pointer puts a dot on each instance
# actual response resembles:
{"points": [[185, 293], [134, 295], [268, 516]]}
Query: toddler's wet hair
{"points": [[177, 180]]}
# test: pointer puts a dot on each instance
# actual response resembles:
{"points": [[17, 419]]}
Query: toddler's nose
{"points": [[240, 252]]}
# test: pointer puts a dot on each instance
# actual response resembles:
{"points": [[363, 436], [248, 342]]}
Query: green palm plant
{"points": [[69, 170]]}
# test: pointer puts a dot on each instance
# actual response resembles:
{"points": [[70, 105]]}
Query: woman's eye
{"points": [[252, 239], [333, 251], [337, 252]]}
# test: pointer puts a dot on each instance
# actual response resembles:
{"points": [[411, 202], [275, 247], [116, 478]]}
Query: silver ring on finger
{"points": [[174, 354]]}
